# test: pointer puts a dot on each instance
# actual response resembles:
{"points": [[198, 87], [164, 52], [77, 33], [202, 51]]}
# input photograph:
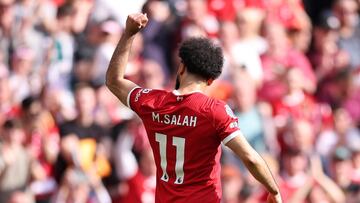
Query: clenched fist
{"points": [[135, 22], [274, 198]]}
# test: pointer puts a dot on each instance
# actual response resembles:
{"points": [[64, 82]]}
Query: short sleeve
{"points": [[137, 97], [225, 122]]}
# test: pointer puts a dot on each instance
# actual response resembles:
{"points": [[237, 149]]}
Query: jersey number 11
{"points": [[179, 143]]}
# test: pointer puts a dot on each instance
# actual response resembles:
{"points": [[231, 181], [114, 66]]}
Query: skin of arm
{"points": [[115, 80], [329, 186], [255, 164]]}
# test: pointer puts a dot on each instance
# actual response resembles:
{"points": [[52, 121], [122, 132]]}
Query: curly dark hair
{"points": [[202, 57]]}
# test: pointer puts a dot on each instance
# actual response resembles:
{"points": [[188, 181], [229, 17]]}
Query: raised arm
{"points": [[115, 80], [256, 165]]}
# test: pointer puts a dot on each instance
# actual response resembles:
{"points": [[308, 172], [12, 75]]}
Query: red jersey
{"points": [[185, 133]]}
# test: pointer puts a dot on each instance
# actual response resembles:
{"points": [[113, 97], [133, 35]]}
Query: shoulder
{"points": [[217, 109], [139, 97], [139, 93]]}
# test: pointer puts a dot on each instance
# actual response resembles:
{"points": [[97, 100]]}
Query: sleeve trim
{"points": [[231, 136], [129, 95]]}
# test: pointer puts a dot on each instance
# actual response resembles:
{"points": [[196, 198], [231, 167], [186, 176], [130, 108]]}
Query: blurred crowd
{"points": [[291, 75]]}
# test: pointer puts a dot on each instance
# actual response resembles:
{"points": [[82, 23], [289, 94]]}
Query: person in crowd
{"points": [[15, 164], [110, 34], [157, 36], [59, 71], [248, 48], [232, 182], [279, 58], [349, 40], [343, 133], [81, 188], [7, 108], [326, 56], [42, 143], [341, 168], [319, 187], [80, 143], [50, 48], [134, 169], [198, 18]]}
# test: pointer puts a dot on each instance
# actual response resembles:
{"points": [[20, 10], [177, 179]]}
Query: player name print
{"points": [[180, 120]]}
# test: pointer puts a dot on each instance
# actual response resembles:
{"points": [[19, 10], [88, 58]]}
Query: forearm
{"points": [[119, 59], [331, 189], [259, 169], [301, 193], [254, 162], [115, 81]]}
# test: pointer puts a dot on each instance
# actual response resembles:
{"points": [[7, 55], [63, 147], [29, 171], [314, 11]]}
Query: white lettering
{"points": [[193, 121], [167, 119], [185, 121], [155, 117], [178, 121], [173, 120], [138, 95]]}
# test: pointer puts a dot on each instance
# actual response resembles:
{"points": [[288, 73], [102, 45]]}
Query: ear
{"points": [[209, 82], [182, 69]]}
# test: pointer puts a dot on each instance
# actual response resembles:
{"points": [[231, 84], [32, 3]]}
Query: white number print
{"points": [[179, 143]]}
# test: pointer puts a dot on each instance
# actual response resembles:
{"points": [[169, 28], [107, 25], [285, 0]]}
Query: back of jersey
{"points": [[185, 132]]}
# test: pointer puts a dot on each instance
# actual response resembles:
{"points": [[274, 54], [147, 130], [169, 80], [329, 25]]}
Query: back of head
{"points": [[202, 57]]}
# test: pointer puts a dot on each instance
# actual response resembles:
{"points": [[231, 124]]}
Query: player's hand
{"points": [[274, 198], [135, 22]]}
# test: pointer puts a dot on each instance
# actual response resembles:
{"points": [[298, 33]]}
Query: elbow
{"points": [[108, 82], [111, 82]]}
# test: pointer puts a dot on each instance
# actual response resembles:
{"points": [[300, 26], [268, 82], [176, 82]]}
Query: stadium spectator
{"points": [[247, 49], [279, 58], [15, 164], [341, 167], [327, 57], [157, 36], [49, 48], [59, 72], [133, 174], [347, 12], [20, 79], [42, 143], [344, 134], [80, 144], [110, 34], [232, 183]]}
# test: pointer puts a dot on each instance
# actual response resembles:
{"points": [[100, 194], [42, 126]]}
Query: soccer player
{"points": [[185, 127]]}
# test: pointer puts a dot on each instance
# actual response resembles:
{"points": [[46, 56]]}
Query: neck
{"points": [[192, 85]]}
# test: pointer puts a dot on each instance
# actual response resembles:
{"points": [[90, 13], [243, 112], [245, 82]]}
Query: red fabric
{"points": [[224, 10], [308, 109], [59, 2], [138, 189], [273, 88], [37, 145], [284, 13], [256, 3], [209, 26], [209, 122]]}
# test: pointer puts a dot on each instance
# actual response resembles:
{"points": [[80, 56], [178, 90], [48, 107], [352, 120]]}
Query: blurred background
{"points": [[291, 75]]}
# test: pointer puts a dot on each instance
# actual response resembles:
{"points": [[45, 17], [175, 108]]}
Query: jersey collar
{"points": [[177, 93]]}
